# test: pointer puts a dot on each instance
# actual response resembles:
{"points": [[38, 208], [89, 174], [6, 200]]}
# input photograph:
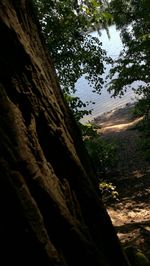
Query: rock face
{"points": [[51, 212]]}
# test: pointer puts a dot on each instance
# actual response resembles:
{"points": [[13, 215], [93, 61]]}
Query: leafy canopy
{"points": [[133, 19], [66, 26]]}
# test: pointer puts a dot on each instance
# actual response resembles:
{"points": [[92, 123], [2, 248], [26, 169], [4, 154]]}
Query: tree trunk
{"points": [[51, 212]]}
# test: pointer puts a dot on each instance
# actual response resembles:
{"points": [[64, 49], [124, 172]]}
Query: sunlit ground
{"points": [[107, 127]]}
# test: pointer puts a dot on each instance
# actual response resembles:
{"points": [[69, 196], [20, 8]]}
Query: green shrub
{"points": [[145, 146], [88, 131], [142, 107], [103, 156], [144, 127], [102, 153]]}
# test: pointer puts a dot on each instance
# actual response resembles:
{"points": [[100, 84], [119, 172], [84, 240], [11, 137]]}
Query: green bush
{"points": [[144, 144], [142, 107], [103, 156], [88, 131], [102, 153]]}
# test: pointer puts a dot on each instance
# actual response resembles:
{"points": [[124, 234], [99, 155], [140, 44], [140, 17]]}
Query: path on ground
{"points": [[131, 214]]}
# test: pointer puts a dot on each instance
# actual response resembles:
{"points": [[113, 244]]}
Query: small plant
{"points": [[88, 131], [108, 191]]}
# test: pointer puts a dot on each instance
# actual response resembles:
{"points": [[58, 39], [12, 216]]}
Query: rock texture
{"points": [[51, 212]]}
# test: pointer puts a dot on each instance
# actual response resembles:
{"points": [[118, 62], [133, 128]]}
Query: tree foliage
{"points": [[66, 26], [133, 19]]}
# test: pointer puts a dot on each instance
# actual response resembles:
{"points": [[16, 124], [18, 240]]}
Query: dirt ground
{"points": [[130, 214]]}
